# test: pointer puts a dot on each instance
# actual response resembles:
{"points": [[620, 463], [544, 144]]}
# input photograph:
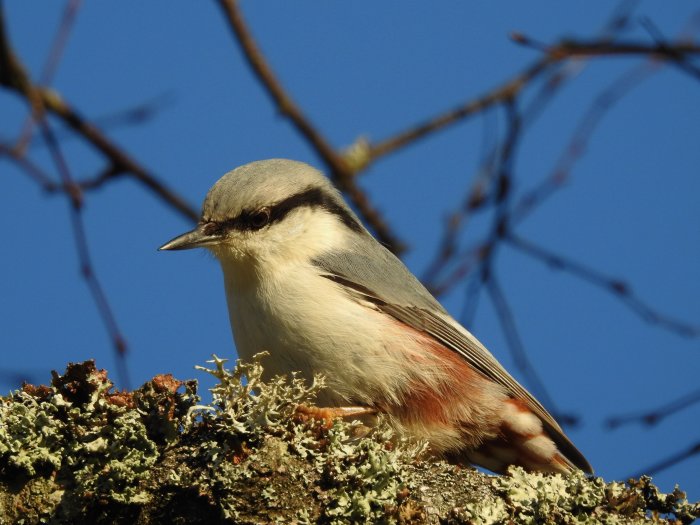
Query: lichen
{"points": [[91, 442], [77, 452], [30, 437]]}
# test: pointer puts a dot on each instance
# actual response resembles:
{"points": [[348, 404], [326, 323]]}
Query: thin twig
{"points": [[616, 287], [471, 298], [482, 190], [606, 47], [495, 96], [12, 74], [38, 175], [478, 198], [492, 185], [59, 44], [122, 162], [14, 77], [465, 265], [34, 171], [138, 114], [674, 52], [520, 355], [669, 461], [577, 145], [341, 172], [501, 228], [16, 377], [654, 417], [86, 266]]}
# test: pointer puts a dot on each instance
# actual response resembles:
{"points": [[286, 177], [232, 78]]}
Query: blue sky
{"points": [[630, 209]]}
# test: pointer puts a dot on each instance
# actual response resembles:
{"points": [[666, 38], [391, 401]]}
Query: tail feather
{"points": [[524, 440]]}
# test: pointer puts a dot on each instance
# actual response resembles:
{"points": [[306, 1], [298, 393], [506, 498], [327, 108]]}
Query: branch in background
{"points": [[342, 173], [34, 171], [131, 116], [14, 77], [12, 74], [499, 95], [122, 162], [483, 189], [59, 44], [616, 287], [38, 175], [676, 53], [501, 226], [464, 266], [670, 461], [579, 141], [16, 377], [520, 356], [574, 48], [653, 417], [75, 197], [471, 298]]}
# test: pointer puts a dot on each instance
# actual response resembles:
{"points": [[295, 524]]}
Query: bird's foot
{"points": [[328, 414]]}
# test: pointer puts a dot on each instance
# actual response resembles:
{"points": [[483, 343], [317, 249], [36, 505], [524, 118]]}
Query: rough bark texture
{"points": [[76, 452]]}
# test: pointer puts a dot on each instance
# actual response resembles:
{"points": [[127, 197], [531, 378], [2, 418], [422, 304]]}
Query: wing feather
{"points": [[421, 311]]}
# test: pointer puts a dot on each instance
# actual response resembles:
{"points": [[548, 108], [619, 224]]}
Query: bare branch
{"points": [[495, 96], [122, 162], [520, 356], [494, 182], [579, 141], [59, 43], [670, 461], [574, 48], [14, 77], [654, 417], [87, 269], [465, 264], [471, 298], [36, 173], [616, 287], [342, 173], [130, 116]]}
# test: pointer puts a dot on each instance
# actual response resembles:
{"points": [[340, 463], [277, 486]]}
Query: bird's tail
{"points": [[524, 440]]}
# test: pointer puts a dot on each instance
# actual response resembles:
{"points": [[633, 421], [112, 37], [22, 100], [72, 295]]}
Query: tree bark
{"points": [[76, 452]]}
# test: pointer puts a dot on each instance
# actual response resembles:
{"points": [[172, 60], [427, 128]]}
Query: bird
{"points": [[307, 282]]}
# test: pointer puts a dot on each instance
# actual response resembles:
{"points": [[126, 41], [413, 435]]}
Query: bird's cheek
{"points": [[227, 250]]}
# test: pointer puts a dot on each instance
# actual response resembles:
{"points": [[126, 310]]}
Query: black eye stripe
{"points": [[312, 198]]}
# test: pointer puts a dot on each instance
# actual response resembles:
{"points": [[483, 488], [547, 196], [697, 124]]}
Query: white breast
{"points": [[309, 324]]}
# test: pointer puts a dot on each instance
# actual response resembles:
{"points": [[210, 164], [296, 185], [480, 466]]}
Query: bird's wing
{"points": [[393, 289]]}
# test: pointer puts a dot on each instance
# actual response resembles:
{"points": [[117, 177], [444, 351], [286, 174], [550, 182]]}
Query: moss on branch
{"points": [[77, 452]]}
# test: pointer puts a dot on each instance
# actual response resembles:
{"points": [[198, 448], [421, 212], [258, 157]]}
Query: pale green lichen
{"points": [[88, 441], [364, 477], [250, 407], [360, 477], [30, 437], [576, 498], [75, 452]]}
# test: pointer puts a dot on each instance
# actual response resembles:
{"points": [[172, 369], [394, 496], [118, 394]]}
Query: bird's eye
{"points": [[260, 218]]}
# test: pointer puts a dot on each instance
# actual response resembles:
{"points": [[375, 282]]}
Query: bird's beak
{"points": [[192, 239]]}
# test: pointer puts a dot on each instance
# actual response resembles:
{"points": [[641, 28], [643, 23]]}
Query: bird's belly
{"points": [[311, 326]]}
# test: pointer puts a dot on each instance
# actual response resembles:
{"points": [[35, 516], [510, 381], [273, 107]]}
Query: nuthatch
{"points": [[308, 283]]}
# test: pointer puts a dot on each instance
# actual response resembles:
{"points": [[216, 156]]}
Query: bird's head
{"points": [[270, 212]]}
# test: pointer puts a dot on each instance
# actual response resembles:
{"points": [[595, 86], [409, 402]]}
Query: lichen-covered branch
{"points": [[77, 452]]}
